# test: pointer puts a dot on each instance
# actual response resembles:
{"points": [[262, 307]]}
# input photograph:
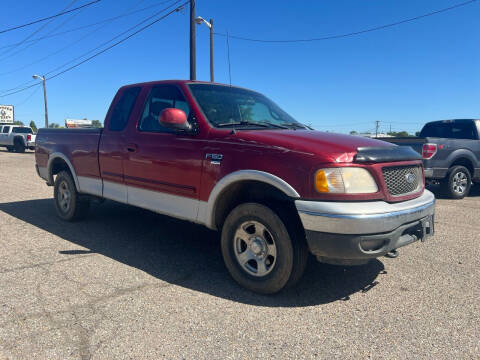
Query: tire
{"points": [[10, 148], [68, 202], [458, 182], [258, 250], [19, 146]]}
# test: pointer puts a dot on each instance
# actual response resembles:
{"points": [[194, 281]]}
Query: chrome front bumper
{"points": [[359, 218]]}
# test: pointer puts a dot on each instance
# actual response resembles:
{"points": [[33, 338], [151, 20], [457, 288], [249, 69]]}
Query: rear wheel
{"points": [[10, 148], [458, 182], [258, 250], [19, 146], [68, 202]]}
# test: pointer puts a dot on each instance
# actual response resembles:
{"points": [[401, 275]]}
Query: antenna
{"points": [[228, 56]]}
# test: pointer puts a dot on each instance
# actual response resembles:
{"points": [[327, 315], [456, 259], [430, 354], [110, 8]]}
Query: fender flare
{"points": [[206, 213], [51, 159], [462, 153]]}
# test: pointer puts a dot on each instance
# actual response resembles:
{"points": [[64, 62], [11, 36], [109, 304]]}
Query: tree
{"points": [[18, 123], [96, 124], [33, 126], [353, 132], [399, 133], [53, 126]]}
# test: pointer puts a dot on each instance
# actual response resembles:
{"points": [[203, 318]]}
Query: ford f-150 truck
{"points": [[451, 154], [17, 138], [231, 159]]}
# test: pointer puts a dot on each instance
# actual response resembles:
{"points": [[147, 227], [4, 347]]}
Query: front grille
{"points": [[403, 180]]}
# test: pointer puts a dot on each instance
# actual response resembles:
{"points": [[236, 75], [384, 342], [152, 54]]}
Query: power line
{"points": [[75, 42], [119, 42], [27, 85], [49, 17], [381, 27], [104, 50], [116, 37], [88, 25], [28, 97], [9, 54]]}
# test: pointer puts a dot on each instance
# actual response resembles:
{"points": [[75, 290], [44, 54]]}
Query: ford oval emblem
{"points": [[410, 178]]}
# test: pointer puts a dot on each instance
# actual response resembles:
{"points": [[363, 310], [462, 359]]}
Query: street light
{"points": [[44, 96], [199, 20]]}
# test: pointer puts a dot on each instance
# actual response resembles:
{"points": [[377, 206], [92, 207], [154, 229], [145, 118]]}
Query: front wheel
{"points": [[68, 203], [458, 182], [258, 250]]}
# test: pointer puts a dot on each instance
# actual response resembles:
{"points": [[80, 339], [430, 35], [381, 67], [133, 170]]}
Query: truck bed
{"points": [[80, 145], [416, 143]]}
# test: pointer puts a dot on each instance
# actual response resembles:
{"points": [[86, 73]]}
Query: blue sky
{"points": [[402, 76]]}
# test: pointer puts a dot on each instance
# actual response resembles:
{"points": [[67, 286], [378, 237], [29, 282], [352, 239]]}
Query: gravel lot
{"points": [[127, 283]]}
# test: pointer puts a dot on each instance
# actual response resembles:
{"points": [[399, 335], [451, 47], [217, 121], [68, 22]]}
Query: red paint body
{"points": [[176, 163]]}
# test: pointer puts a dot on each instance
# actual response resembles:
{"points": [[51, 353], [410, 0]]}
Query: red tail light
{"points": [[29, 137], [429, 150]]}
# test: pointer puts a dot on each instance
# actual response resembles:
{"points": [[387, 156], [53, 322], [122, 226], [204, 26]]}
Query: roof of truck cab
{"points": [[159, 82]]}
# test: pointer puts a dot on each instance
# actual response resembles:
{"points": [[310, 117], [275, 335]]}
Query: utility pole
{"points": [[44, 96], [199, 20], [377, 124], [211, 51], [193, 58]]}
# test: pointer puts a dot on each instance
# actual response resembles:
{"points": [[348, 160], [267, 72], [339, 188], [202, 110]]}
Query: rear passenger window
{"points": [[123, 108], [458, 129], [5, 129]]}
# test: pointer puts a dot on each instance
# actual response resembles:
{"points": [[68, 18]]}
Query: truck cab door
{"points": [[162, 166], [112, 147], [4, 135]]}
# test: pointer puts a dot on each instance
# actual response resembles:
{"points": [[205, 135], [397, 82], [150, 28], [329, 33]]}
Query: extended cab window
{"points": [[123, 108], [160, 98], [24, 130], [6, 129], [450, 130]]}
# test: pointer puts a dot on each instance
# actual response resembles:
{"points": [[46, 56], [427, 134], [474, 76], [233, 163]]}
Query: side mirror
{"points": [[174, 119]]}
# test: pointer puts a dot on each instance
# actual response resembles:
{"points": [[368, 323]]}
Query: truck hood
{"points": [[323, 145]]}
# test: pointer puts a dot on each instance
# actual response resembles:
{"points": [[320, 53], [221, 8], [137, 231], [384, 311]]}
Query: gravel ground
{"points": [[129, 284]]}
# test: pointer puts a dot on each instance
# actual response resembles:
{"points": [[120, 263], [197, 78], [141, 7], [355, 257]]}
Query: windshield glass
{"points": [[227, 106]]}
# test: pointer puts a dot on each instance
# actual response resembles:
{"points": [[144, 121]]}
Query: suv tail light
{"points": [[429, 150], [29, 137]]}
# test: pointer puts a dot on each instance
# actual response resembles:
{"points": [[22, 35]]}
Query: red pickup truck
{"points": [[231, 159]]}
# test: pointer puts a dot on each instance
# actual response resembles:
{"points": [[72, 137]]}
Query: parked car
{"points": [[232, 160], [451, 154], [17, 138]]}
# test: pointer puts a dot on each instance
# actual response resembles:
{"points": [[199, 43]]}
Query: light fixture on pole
{"points": [[44, 96], [199, 20]]}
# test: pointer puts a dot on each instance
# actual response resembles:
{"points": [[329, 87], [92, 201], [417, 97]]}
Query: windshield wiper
{"points": [[242, 123], [296, 125]]}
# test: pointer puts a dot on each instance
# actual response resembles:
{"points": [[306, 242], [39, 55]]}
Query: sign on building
{"points": [[76, 123], [6, 114]]}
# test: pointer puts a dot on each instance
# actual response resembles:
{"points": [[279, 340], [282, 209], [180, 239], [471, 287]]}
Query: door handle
{"points": [[132, 147]]}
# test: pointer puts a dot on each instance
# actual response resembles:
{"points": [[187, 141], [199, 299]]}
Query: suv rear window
{"points": [[450, 130], [22, 130]]}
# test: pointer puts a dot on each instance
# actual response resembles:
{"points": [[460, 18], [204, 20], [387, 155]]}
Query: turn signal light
{"points": [[429, 150]]}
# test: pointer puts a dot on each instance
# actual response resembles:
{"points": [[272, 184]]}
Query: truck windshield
{"points": [[226, 106], [450, 129], [22, 130]]}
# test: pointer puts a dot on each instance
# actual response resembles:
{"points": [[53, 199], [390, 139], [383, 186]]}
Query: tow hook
{"points": [[392, 254]]}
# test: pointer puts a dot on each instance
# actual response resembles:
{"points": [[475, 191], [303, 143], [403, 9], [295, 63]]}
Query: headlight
{"points": [[347, 180]]}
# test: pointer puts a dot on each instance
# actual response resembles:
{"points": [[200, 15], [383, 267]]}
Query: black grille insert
{"points": [[403, 180]]}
